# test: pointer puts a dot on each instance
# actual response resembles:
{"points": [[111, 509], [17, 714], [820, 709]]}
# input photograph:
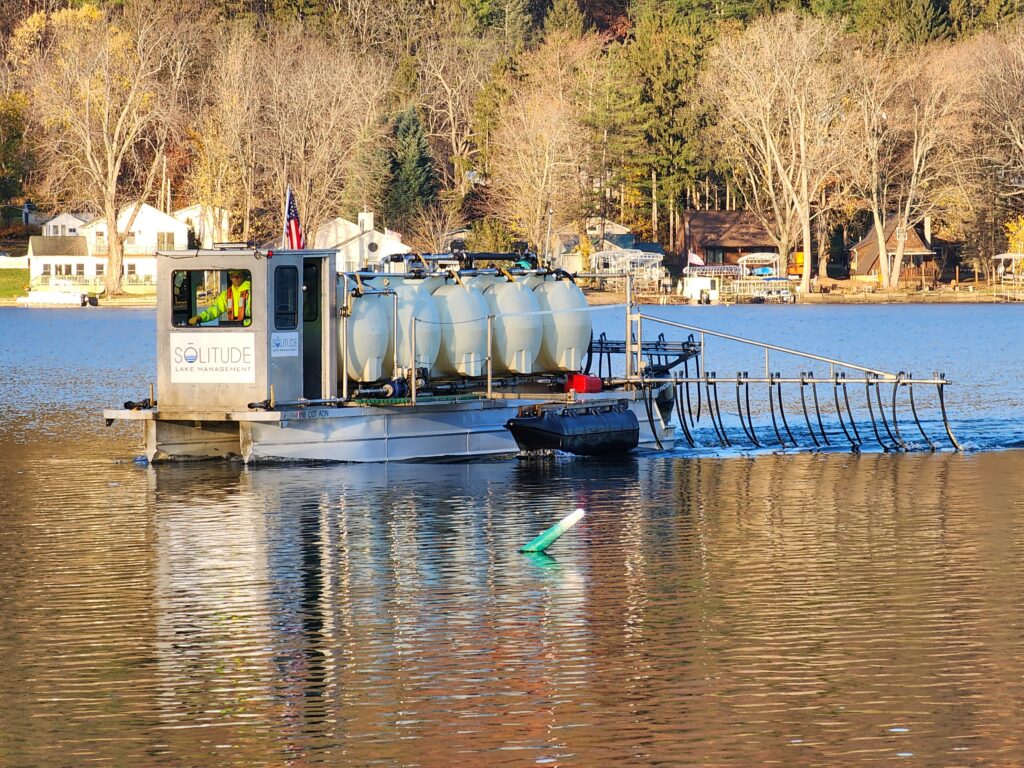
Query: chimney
{"points": [[928, 231], [365, 221]]}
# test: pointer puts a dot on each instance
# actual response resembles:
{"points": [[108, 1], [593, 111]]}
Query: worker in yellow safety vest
{"points": [[235, 302]]}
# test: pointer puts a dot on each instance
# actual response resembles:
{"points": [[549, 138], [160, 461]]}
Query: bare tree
{"points": [[539, 147], [106, 98], [999, 90], [319, 102], [454, 66], [434, 224], [908, 133], [224, 165], [779, 92]]}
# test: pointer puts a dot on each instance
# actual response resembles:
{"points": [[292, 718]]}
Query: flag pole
{"points": [[284, 216]]}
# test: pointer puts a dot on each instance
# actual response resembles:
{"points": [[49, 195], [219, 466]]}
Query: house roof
{"points": [[867, 248], [75, 245], [726, 229]]}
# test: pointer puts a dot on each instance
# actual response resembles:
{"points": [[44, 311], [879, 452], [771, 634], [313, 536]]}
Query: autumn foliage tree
{"points": [[107, 89]]}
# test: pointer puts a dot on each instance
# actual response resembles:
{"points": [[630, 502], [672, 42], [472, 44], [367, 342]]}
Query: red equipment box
{"points": [[581, 382]]}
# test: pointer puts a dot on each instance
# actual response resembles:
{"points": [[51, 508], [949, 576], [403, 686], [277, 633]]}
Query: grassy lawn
{"points": [[13, 282]]}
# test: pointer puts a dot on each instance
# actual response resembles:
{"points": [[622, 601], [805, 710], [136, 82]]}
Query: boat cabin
{"points": [[242, 326]]}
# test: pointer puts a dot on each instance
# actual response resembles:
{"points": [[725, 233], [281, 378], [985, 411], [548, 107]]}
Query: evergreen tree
{"points": [[512, 20], [923, 21], [413, 175], [566, 16], [665, 56]]}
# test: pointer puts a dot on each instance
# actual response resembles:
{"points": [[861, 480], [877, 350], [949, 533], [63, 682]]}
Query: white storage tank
{"points": [[463, 316], [369, 334], [517, 328], [414, 300], [566, 328]]}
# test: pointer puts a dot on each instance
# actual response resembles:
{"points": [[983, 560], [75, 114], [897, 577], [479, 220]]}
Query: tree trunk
{"points": [[654, 205], [805, 277], [883, 253], [115, 252], [897, 264]]}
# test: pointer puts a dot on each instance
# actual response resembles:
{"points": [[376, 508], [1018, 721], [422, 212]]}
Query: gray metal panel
{"points": [[183, 383]]}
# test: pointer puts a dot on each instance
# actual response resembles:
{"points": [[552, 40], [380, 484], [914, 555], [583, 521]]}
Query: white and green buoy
{"points": [[550, 536]]}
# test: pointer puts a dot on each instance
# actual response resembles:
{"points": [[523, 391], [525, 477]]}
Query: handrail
{"points": [[773, 347]]}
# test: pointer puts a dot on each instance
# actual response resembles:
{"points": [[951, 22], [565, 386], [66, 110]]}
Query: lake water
{"points": [[713, 608]]}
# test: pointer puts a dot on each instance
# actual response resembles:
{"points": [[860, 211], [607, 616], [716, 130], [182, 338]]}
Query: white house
{"points": [[64, 225], [209, 223], [80, 261], [359, 245]]}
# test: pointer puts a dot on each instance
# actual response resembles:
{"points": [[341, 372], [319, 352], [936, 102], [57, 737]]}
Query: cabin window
{"points": [[310, 292], [286, 298], [212, 298]]}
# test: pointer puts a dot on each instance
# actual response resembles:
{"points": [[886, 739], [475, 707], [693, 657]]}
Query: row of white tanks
{"points": [[541, 324]]}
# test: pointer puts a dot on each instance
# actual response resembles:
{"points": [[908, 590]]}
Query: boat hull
{"points": [[442, 431]]}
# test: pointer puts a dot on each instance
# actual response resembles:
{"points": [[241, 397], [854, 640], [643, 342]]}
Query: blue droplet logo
{"points": [[191, 354]]}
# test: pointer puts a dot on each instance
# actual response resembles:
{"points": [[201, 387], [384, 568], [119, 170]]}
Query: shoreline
{"points": [[604, 298], [600, 298]]}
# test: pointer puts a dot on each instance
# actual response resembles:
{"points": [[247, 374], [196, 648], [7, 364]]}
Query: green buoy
{"points": [[550, 536]]}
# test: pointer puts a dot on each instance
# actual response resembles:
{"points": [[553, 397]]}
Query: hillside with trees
{"points": [[820, 117]]}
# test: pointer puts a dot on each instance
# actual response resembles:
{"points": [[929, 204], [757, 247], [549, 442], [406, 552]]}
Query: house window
{"points": [[101, 269], [165, 241], [72, 231], [129, 269], [101, 241], [79, 269], [46, 270], [129, 239]]}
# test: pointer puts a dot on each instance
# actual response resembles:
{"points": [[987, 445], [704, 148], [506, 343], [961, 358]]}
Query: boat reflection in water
{"points": [[381, 615]]}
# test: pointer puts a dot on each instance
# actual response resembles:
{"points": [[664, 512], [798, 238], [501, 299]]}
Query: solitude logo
{"points": [[221, 359]]}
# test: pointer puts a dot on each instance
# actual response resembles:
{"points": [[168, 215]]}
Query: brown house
{"points": [[721, 237], [864, 255]]}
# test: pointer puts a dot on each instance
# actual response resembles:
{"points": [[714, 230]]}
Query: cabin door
{"points": [[312, 329]]}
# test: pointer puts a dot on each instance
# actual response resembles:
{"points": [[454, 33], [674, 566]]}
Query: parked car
{"points": [[5, 254]]}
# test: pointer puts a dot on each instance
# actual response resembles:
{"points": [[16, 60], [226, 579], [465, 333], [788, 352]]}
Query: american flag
{"points": [[293, 236]]}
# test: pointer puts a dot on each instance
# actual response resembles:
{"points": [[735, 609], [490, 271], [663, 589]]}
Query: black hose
{"points": [[885, 422], [871, 414], [782, 410], [679, 412], [913, 410], [771, 407], [718, 411], [750, 420], [722, 439], [839, 411], [739, 410], [942, 406], [648, 396], [803, 405], [849, 412]]}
